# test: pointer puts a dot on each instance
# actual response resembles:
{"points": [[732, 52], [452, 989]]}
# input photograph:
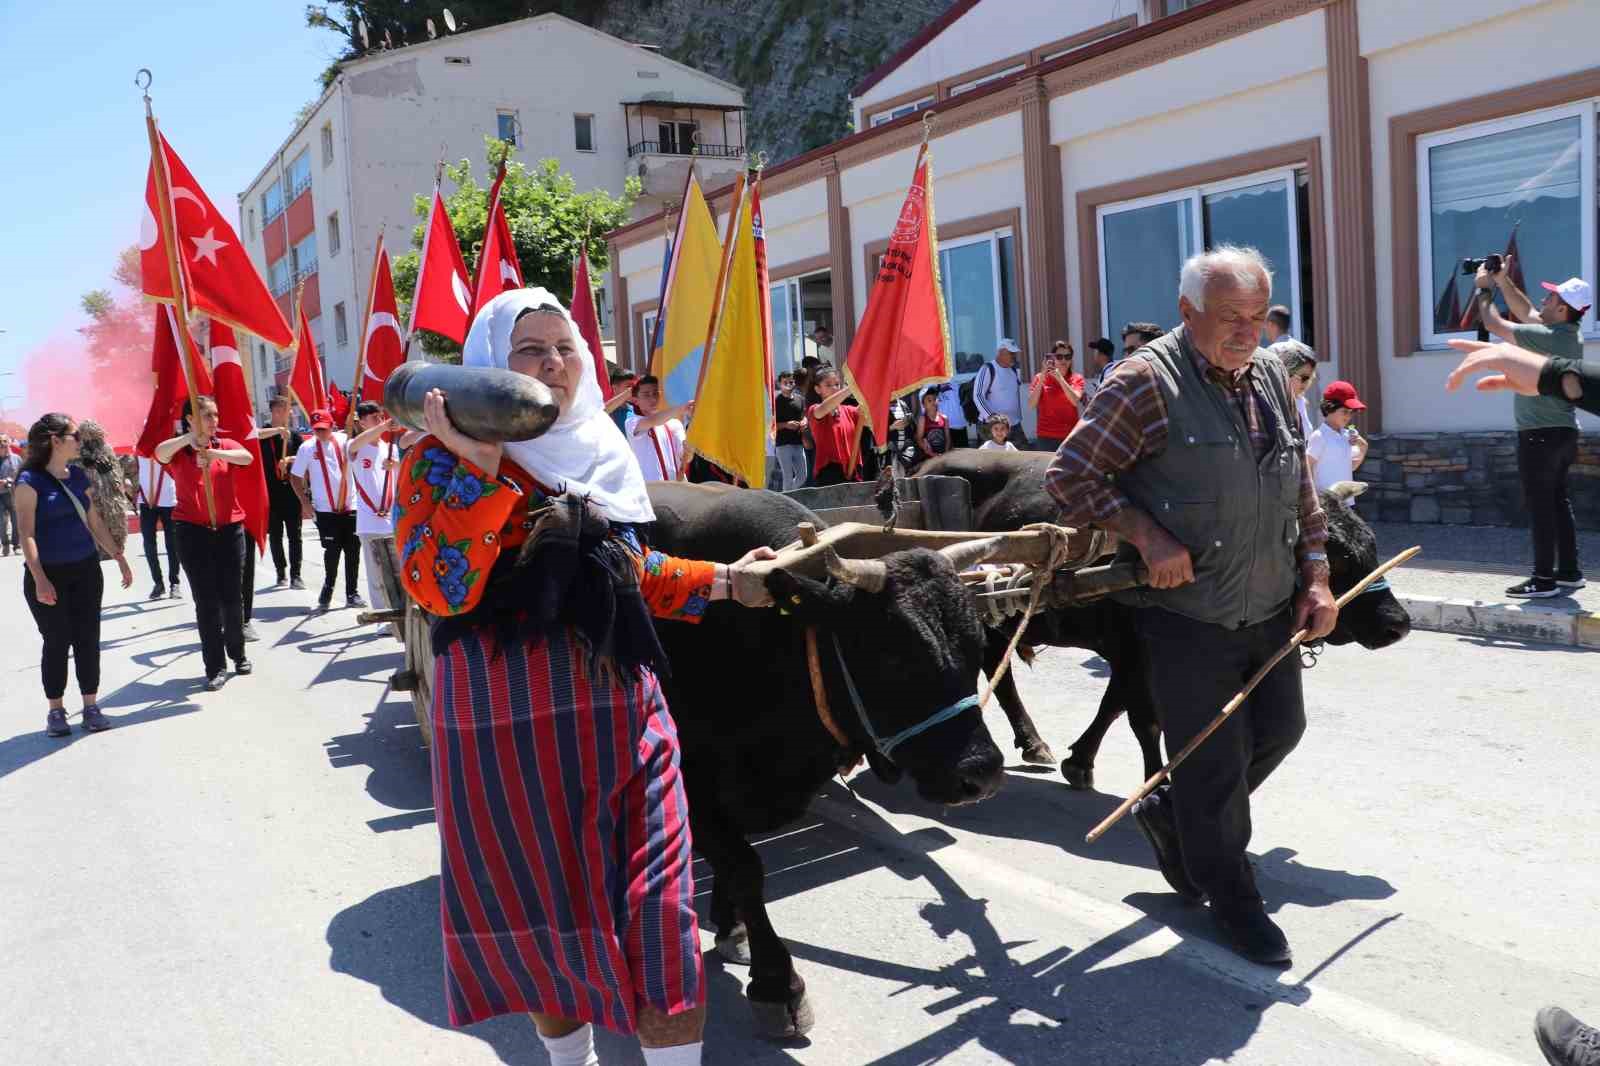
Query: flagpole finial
{"points": [[142, 80], [929, 120], [758, 161]]}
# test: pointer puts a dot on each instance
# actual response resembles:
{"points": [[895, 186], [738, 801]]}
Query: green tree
{"points": [[119, 331], [548, 217]]}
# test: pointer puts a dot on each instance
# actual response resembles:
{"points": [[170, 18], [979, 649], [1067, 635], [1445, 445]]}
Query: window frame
{"points": [[296, 190], [267, 214], [297, 269], [341, 325], [327, 143], [516, 124], [1195, 195], [1589, 220], [889, 114], [334, 238], [992, 237], [576, 116], [647, 332]]}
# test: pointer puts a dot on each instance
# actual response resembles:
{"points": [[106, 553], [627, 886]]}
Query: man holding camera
{"points": [[1547, 427]]}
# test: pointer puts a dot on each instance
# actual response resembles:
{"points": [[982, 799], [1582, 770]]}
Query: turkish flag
{"points": [[236, 421], [305, 379], [381, 346], [903, 342], [498, 269], [161, 423], [338, 405], [583, 314], [442, 302], [215, 271]]}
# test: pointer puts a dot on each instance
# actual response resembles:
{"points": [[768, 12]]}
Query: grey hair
{"points": [[1293, 355], [1230, 261]]}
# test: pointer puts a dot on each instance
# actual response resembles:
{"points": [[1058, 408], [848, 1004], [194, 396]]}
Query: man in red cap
{"points": [[1335, 448], [1547, 426], [321, 476]]}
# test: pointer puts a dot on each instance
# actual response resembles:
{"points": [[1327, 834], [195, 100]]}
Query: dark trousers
{"points": [[214, 561], [10, 534], [832, 474], [148, 518], [247, 579], [1047, 444], [72, 623], [960, 439], [1543, 458], [1194, 669], [338, 533], [283, 522]]}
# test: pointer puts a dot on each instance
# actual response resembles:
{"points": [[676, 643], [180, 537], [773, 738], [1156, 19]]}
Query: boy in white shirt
{"points": [[999, 427], [655, 435], [320, 477], [373, 463], [157, 495], [1335, 448]]}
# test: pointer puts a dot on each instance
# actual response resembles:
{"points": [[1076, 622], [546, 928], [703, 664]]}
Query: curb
{"points": [[1537, 622]]}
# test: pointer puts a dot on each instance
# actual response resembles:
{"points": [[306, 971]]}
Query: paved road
{"points": [[250, 876]]}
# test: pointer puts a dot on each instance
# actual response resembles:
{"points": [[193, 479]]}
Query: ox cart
{"points": [[929, 511]]}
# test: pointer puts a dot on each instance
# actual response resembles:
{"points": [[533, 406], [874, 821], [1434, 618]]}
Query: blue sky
{"points": [[229, 78]]}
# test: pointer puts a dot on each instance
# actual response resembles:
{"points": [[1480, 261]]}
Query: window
{"points": [[677, 138], [327, 144], [1519, 185], [333, 234], [299, 175], [278, 278], [583, 132], [647, 334], [506, 126], [1143, 244], [341, 328], [968, 86], [980, 296], [900, 112], [303, 257], [800, 306], [251, 214], [272, 202]]}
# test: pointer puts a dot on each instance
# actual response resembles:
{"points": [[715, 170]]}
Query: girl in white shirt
{"points": [[999, 429]]}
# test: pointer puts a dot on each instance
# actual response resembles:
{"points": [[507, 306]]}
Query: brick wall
{"points": [[1465, 479]]}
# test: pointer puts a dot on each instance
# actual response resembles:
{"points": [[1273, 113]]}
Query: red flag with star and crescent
{"points": [[305, 379], [216, 272], [382, 347], [443, 300], [236, 421], [498, 269], [161, 422]]}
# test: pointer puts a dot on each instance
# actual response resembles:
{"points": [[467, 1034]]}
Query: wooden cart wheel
{"points": [[419, 660]]}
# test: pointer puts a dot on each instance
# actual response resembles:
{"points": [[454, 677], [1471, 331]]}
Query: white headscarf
{"points": [[583, 452]]}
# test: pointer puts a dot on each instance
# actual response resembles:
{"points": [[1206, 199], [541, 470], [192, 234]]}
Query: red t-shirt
{"points": [[192, 490], [1057, 413], [834, 435]]}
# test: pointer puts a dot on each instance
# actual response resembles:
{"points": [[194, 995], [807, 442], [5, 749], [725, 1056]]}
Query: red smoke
{"points": [[62, 375]]}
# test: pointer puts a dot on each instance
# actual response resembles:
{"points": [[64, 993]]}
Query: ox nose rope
{"points": [[886, 745]]}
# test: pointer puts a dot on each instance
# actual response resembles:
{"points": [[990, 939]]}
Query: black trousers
{"points": [[1194, 669], [960, 439], [214, 561], [247, 579], [338, 533], [10, 532], [1543, 458], [283, 521], [72, 624], [148, 519], [832, 474]]}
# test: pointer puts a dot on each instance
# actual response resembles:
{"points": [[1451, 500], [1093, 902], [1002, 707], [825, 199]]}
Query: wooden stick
{"points": [[1234, 704]]}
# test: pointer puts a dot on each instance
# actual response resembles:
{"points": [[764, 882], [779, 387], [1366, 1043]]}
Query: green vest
{"points": [[1239, 518]]}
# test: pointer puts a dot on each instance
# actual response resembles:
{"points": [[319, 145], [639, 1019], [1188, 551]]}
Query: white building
{"points": [[605, 108], [1366, 146]]}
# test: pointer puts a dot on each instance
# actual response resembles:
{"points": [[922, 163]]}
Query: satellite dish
{"points": [[449, 21], [432, 33], [361, 25]]}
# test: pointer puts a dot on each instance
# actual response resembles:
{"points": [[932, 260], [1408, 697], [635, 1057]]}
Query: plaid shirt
{"points": [[1126, 421]]}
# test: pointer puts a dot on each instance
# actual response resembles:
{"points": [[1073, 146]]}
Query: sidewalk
{"points": [[1458, 583]]}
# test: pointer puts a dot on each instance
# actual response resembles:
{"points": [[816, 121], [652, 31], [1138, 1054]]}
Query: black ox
{"points": [[1008, 493], [755, 752]]}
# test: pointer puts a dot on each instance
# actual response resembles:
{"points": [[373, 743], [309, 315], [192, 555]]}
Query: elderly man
{"points": [[997, 390], [1188, 452]]}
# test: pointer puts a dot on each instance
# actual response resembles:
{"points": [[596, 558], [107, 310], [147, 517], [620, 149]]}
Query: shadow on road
{"points": [[390, 747], [155, 702]]}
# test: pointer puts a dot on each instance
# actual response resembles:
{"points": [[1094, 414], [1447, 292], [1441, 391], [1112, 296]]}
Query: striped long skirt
{"points": [[565, 884]]}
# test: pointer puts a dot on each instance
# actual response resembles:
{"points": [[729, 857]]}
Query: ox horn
{"points": [[970, 553], [1347, 490], [868, 574]]}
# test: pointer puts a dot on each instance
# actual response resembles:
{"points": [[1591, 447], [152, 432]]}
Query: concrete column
{"points": [[622, 314], [840, 275], [1045, 231]]}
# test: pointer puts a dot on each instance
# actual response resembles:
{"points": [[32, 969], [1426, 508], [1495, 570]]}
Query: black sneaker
{"points": [[283, 579], [1570, 580], [176, 593], [216, 681], [243, 667], [324, 602], [94, 721], [1153, 814], [159, 592], [1535, 588], [1251, 933], [55, 723], [297, 584], [1565, 1040], [250, 635], [354, 600]]}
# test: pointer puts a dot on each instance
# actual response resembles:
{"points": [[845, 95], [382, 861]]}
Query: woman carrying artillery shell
{"points": [[566, 885]]}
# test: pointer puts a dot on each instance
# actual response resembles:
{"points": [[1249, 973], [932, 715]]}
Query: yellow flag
{"points": [[691, 289], [733, 409]]}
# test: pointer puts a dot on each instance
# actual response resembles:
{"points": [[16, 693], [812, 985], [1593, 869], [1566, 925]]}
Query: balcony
{"points": [[665, 134], [703, 150]]}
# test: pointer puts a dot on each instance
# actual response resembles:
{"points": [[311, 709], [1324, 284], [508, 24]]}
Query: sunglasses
{"points": [[73, 435]]}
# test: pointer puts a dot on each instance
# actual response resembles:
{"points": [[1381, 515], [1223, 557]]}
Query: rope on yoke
{"points": [[1042, 577]]}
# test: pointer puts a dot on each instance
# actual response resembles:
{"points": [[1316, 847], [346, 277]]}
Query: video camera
{"points": [[1492, 263]]}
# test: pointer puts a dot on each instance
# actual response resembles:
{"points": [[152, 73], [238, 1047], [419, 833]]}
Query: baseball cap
{"points": [[1574, 292], [1009, 345], [321, 420], [1344, 394]]}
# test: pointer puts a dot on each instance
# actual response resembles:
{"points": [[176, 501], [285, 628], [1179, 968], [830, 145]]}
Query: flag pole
{"points": [[714, 327], [168, 226], [366, 332]]}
